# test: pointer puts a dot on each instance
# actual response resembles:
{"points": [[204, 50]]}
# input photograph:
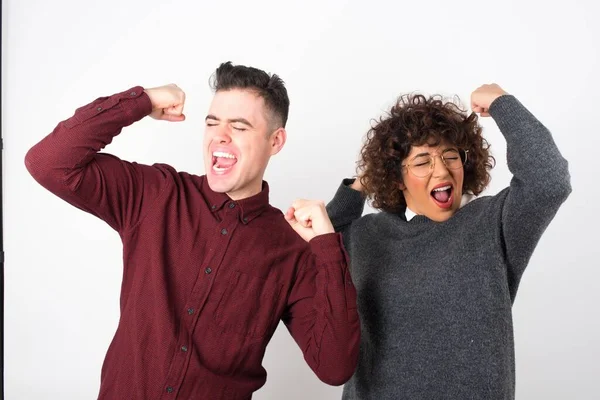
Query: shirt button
{"points": [[99, 109], [190, 311], [223, 231], [133, 93], [208, 270], [213, 207], [246, 220], [184, 348], [169, 389], [231, 205]]}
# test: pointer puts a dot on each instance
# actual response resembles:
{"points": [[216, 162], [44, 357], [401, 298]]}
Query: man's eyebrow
{"points": [[231, 121], [241, 121]]}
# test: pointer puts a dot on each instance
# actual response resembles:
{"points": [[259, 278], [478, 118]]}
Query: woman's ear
{"points": [[402, 186]]}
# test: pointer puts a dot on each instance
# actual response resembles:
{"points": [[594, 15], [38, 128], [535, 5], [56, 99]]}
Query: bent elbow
{"points": [[42, 168], [561, 187], [555, 187], [338, 377], [565, 188], [35, 165], [340, 369]]}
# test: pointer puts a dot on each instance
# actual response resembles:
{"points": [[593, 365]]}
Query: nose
{"points": [[222, 135], [439, 168]]}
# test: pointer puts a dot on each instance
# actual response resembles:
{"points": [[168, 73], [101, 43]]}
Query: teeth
{"points": [[441, 189], [222, 154]]}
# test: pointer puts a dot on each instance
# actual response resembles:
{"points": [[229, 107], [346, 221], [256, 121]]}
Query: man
{"points": [[210, 268]]}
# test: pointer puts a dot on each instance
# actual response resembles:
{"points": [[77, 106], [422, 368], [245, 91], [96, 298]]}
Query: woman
{"points": [[436, 274]]}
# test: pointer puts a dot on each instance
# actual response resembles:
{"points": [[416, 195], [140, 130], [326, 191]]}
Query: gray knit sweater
{"points": [[435, 298]]}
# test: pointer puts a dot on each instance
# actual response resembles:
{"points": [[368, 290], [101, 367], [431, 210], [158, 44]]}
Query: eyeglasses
{"points": [[422, 165]]}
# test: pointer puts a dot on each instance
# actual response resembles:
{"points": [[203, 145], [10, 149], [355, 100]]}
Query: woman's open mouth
{"points": [[443, 195]]}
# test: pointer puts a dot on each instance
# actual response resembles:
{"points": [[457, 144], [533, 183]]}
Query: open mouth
{"points": [[443, 195], [222, 161]]}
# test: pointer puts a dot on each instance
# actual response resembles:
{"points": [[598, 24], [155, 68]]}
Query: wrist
{"points": [[151, 95], [356, 185]]}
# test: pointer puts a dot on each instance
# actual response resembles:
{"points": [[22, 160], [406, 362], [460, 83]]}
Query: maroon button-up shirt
{"points": [[206, 279]]}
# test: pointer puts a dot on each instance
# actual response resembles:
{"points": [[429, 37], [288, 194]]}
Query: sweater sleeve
{"points": [[540, 184], [346, 207]]}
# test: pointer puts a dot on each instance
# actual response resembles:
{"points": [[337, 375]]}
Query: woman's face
{"points": [[438, 194]]}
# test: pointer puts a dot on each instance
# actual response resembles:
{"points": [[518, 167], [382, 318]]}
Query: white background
{"points": [[344, 62]]}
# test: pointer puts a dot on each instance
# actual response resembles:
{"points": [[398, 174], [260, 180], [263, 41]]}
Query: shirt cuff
{"points": [[135, 103], [328, 248]]}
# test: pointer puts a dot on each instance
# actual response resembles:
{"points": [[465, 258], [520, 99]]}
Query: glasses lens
{"points": [[421, 166], [452, 158]]}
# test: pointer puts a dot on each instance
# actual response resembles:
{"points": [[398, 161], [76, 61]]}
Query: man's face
{"points": [[240, 138], [437, 195]]}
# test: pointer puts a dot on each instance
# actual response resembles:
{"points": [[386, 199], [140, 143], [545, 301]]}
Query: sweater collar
{"points": [[466, 198]]}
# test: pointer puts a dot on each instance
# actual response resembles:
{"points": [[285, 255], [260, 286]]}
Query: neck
{"points": [[248, 191]]}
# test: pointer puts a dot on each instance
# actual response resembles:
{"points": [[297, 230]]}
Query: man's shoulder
{"points": [[177, 175]]}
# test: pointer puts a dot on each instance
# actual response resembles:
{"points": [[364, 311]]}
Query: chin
{"points": [[442, 217], [216, 185]]}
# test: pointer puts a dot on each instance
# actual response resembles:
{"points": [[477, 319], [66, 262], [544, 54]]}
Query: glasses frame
{"points": [[408, 165]]}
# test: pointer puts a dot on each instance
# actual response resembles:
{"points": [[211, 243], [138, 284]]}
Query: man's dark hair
{"points": [[270, 87]]}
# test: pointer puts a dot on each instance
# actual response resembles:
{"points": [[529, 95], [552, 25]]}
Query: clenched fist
{"points": [[483, 97], [309, 218], [167, 102]]}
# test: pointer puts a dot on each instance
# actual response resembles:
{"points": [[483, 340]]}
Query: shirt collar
{"points": [[466, 198], [409, 214], [250, 207]]}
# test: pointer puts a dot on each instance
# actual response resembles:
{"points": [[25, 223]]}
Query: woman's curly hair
{"points": [[416, 120]]}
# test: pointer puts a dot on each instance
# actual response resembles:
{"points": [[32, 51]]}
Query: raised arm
{"points": [[541, 179], [321, 314], [346, 207], [67, 162]]}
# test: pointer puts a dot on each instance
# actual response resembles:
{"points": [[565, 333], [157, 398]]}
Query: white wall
{"points": [[344, 62]]}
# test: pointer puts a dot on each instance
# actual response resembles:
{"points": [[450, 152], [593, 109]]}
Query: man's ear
{"points": [[277, 140]]}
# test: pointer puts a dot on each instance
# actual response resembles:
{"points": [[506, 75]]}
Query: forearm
{"points": [[347, 205], [532, 155], [540, 184], [74, 142], [67, 162], [326, 324]]}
